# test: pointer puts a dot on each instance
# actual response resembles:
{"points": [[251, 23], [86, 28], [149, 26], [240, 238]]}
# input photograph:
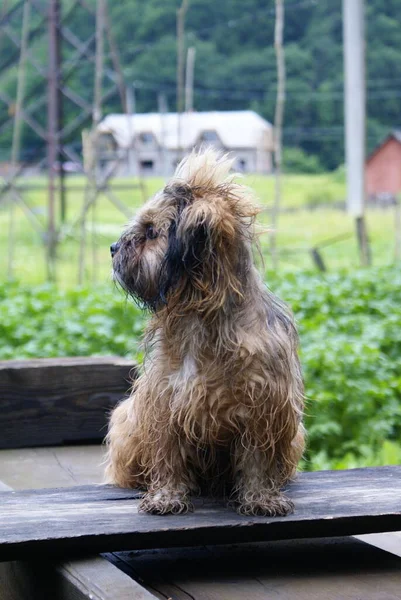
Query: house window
{"points": [[241, 165], [146, 138], [210, 137], [147, 165], [106, 143]]}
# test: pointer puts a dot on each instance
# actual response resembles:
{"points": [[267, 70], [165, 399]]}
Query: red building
{"points": [[383, 167]]}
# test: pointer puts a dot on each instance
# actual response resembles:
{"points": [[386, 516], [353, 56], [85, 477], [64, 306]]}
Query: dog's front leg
{"points": [[171, 481], [257, 491]]}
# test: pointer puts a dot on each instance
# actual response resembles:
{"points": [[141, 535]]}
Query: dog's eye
{"points": [[151, 233]]}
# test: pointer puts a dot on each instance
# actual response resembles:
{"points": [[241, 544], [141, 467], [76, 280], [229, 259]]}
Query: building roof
{"points": [[395, 133], [236, 129]]}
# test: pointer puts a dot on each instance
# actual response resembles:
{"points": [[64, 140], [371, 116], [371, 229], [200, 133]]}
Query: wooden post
{"points": [[278, 125], [99, 60], [181, 12], [115, 57], [91, 149], [133, 169], [87, 161], [355, 117], [97, 115], [318, 259], [17, 131], [189, 80], [162, 105], [53, 123]]}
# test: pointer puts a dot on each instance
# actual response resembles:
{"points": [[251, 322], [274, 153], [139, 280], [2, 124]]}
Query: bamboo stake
{"points": [[278, 125], [16, 142], [90, 145], [181, 12]]}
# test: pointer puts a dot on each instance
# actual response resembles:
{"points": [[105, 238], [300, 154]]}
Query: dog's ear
{"points": [[177, 260], [212, 222], [200, 262]]}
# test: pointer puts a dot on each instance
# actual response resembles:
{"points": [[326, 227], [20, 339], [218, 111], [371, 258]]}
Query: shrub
{"points": [[296, 160]]}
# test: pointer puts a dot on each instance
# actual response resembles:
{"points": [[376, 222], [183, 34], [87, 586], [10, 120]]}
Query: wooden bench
{"points": [[334, 504]]}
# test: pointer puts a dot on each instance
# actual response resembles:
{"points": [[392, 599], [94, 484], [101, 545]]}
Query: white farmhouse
{"points": [[153, 143]]}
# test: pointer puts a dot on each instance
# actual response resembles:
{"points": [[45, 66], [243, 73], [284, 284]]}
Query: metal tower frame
{"points": [[53, 138]]}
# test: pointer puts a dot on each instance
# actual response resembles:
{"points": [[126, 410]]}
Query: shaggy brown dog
{"points": [[221, 395]]}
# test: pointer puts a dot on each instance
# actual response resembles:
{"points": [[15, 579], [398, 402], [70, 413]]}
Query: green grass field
{"points": [[300, 227]]}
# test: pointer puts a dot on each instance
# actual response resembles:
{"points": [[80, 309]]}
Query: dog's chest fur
{"points": [[205, 405]]}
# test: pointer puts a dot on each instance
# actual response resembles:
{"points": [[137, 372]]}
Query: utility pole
{"points": [[189, 80], [355, 117], [181, 12], [278, 125]]}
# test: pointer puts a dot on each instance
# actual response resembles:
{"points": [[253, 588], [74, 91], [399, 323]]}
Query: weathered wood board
{"points": [[319, 569], [52, 466], [105, 518], [89, 578], [54, 401]]}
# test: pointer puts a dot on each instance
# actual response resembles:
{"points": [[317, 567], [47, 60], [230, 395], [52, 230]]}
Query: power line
{"points": [[231, 93]]}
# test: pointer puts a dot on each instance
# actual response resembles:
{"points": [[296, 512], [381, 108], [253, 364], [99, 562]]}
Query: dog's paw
{"points": [[265, 505], [164, 502]]}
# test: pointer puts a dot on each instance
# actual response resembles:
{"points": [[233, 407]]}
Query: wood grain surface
{"points": [[320, 569], [105, 518], [42, 578], [55, 401]]}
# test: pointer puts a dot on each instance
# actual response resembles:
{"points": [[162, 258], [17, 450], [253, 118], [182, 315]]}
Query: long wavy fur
{"points": [[220, 399]]}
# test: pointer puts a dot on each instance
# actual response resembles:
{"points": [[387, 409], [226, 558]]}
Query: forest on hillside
{"points": [[235, 64]]}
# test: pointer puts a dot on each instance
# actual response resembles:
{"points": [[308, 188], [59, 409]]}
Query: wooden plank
{"points": [[91, 578], [105, 518], [49, 467], [317, 569], [82, 579], [54, 401]]}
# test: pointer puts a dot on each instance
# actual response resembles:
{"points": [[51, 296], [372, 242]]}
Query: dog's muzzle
{"points": [[114, 248]]}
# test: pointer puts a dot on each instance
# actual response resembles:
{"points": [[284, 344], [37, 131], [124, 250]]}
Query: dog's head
{"points": [[190, 245]]}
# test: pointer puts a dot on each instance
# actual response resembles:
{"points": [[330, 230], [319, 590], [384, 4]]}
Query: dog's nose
{"points": [[114, 248]]}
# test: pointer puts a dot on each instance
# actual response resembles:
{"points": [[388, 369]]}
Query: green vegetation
{"points": [[297, 160], [350, 328], [299, 229], [351, 354], [235, 64]]}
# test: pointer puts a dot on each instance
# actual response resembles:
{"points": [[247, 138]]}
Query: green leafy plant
{"points": [[350, 330]]}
